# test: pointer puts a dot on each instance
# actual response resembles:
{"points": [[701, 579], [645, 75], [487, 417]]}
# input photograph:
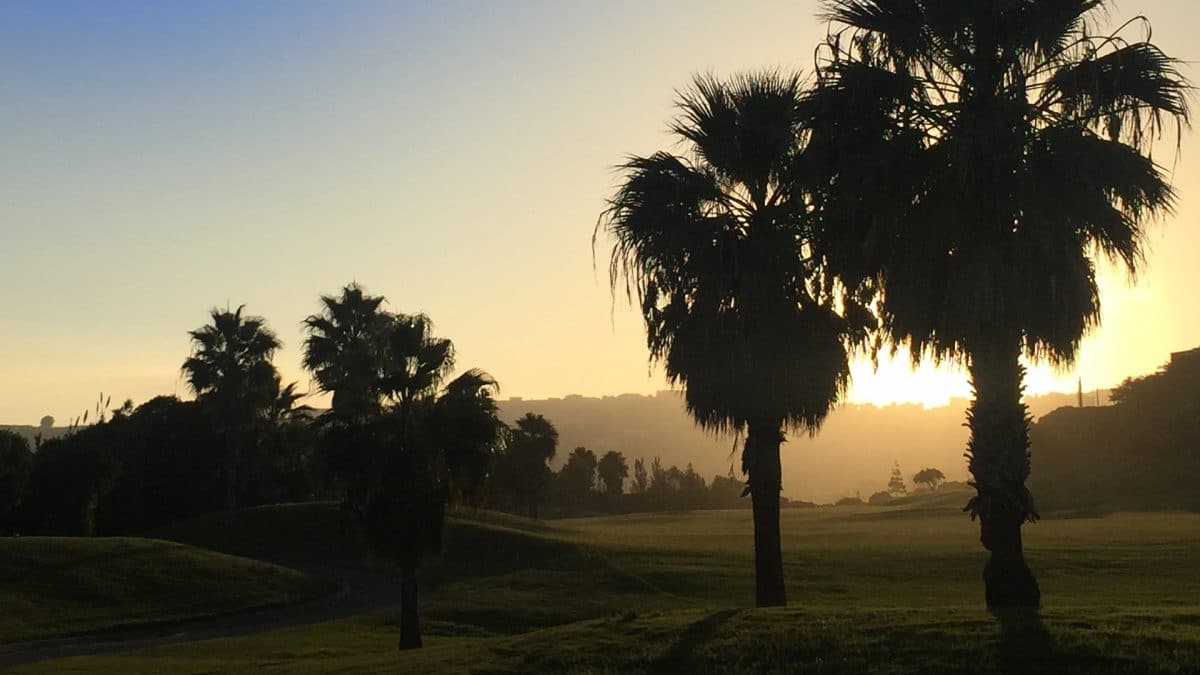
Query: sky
{"points": [[161, 159]]}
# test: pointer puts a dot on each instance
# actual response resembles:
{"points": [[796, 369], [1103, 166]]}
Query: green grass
{"points": [[51, 586], [892, 589]]}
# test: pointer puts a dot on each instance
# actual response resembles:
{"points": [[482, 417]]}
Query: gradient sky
{"points": [[162, 158]]}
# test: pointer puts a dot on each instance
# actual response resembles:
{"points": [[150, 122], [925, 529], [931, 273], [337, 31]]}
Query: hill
{"points": [[853, 453], [1142, 453], [54, 586]]}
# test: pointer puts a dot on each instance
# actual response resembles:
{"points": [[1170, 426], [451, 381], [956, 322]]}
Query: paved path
{"points": [[361, 591]]}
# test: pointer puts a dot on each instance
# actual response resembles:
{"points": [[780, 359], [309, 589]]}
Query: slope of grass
{"points": [[892, 590], [706, 640], [52, 586]]}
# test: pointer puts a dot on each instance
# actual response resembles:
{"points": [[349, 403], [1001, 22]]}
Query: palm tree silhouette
{"points": [[611, 472], [717, 247], [231, 373], [979, 155], [344, 347], [523, 470], [411, 440]]}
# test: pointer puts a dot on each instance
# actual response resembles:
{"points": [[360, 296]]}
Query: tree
{"points": [[408, 438], [693, 491], [718, 248], [977, 156], [282, 465], [641, 479], [524, 467], [929, 478], [881, 498], [612, 472], [577, 477], [896, 486], [16, 463], [231, 373], [725, 492], [660, 480]]}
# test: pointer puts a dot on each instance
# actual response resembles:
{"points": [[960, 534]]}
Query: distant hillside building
{"points": [[1188, 361]]}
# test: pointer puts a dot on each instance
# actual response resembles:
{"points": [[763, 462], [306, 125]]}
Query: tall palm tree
{"points": [[979, 155], [717, 247], [416, 439], [230, 371]]}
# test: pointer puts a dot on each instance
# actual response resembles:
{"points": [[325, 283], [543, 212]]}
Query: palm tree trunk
{"points": [[410, 628], [998, 453], [765, 477]]}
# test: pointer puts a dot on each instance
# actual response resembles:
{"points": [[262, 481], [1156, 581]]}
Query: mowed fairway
{"points": [[890, 589]]}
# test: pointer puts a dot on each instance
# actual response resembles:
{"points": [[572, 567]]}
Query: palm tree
{"points": [[524, 469], [231, 373], [414, 440], [612, 470], [717, 246], [979, 156]]}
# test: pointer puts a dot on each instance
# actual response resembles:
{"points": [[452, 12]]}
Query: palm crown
{"points": [[980, 151], [231, 360], [716, 246]]}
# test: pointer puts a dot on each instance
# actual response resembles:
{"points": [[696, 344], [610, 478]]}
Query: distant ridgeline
{"points": [[31, 433], [1141, 453]]}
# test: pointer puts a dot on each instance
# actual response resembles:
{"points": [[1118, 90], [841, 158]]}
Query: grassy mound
{"points": [[51, 586]]}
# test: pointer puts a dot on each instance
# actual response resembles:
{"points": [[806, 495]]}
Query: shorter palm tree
{"points": [[231, 373], [410, 439], [523, 470], [719, 248], [612, 471]]}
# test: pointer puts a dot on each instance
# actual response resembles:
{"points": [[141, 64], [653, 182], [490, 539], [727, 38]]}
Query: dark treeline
{"points": [[588, 483], [137, 468], [151, 465]]}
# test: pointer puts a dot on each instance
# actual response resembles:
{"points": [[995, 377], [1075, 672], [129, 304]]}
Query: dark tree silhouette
{"points": [[881, 498], [717, 248], [523, 468], [577, 477], [929, 478], [641, 479], [978, 154], [410, 441], [611, 472], [231, 373], [896, 486], [16, 463]]}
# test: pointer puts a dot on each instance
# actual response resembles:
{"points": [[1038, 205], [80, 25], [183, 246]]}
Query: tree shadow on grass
{"points": [[1025, 644], [678, 657]]}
